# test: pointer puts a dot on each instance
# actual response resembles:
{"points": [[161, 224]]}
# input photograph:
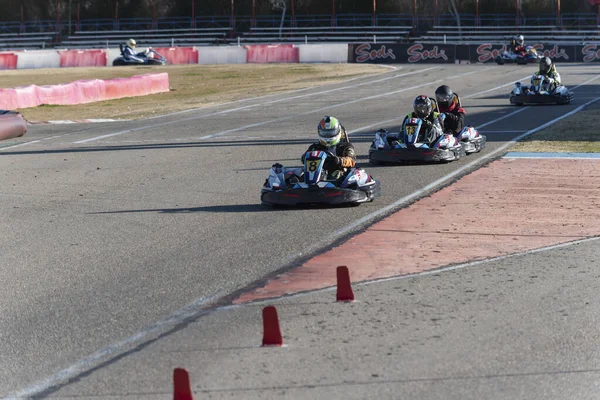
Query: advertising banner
{"points": [[478, 53], [403, 53]]}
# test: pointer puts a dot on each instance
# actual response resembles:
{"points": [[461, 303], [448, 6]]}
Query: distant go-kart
{"points": [[531, 55], [311, 184], [150, 57], [540, 92]]}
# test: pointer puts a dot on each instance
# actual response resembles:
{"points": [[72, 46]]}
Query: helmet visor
{"points": [[422, 110], [444, 99], [328, 133]]}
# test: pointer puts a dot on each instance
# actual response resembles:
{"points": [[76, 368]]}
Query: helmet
{"points": [[520, 40], [131, 43], [422, 106], [545, 64], [444, 96], [330, 131]]}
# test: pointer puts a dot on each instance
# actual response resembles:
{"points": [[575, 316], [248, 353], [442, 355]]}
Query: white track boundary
{"points": [[179, 316]]}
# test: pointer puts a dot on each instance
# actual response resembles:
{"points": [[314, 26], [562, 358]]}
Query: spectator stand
{"points": [[502, 35], [337, 34], [146, 38], [26, 41]]}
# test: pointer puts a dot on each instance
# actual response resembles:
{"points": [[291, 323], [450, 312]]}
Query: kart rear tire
{"points": [[499, 60]]}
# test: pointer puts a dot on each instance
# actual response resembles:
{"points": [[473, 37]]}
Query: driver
{"points": [[423, 108], [334, 139], [129, 52], [449, 103], [517, 44], [548, 69]]}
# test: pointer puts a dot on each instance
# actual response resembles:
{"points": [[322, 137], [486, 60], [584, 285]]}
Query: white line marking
{"points": [[488, 260], [552, 158], [97, 358], [502, 131], [496, 88], [251, 106]]}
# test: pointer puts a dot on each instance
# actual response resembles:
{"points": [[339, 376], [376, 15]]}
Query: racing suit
{"points": [[552, 75], [129, 54], [344, 152], [428, 123], [517, 48], [455, 116]]}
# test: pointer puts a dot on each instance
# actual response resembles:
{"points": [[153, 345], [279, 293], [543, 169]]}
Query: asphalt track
{"points": [[108, 228]]}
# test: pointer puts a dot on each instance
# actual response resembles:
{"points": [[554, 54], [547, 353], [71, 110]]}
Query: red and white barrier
{"points": [[38, 59], [82, 58], [12, 125], [280, 53], [8, 61], [80, 92], [179, 55], [222, 55], [324, 53]]}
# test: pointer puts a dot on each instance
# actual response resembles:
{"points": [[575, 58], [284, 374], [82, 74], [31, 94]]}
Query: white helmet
{"points": [[131, 43], [520, 40], [330, 131]]}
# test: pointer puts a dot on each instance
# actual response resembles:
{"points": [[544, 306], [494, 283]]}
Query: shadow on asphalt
{"points": [[233, 208]]}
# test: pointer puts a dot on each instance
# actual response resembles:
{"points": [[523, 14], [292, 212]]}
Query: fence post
{"points": [[172, 42], [375, 39]]}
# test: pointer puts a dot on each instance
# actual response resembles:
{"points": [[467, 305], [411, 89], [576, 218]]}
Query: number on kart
{"points": [[312, 166], [411, 130], [536, 82]]}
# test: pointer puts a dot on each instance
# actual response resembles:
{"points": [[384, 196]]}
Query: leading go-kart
{"points": [[149, 57], [528, 56], [312, 185], [541, 91]]}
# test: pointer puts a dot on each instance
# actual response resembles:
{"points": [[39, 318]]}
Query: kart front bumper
{"points": [[540, 99], [318, 195], [402, 155]]}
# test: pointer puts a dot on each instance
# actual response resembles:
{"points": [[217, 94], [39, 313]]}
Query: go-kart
{"points": [[415, 144], [541, 91], [149, 57], [530, 55], [312, 185]]}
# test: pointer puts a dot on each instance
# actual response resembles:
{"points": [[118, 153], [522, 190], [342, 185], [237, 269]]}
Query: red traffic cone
{"points": [[344, 288], [271, 331], [181, 385]]}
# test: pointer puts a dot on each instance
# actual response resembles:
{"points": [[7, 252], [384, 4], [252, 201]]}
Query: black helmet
{"points": [[422, 106], [545, 64], [444, 96]]}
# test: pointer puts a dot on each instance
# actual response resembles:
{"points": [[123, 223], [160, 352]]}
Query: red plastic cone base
{"points": [[344, 288], [181, 385], [271, 331]]}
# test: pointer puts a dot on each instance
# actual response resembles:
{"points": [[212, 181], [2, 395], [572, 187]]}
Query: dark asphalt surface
{"points": [[108, 228]]}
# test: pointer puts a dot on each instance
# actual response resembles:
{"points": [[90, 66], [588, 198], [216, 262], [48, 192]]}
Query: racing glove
{"points": [[332, 163], [451, 116]]}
